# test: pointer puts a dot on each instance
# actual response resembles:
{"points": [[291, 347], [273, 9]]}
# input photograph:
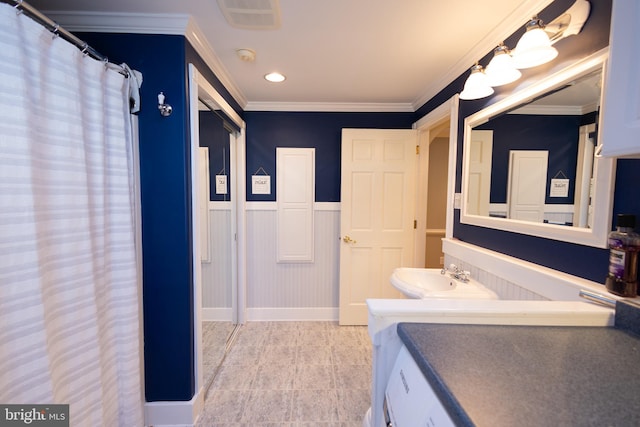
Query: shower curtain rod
{"points": [[24, 7]]}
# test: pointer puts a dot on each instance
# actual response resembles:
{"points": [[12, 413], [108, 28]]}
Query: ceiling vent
{"points": [[251, 14]]}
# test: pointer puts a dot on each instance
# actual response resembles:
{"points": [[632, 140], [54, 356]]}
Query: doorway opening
{"points": [[437, 137]]}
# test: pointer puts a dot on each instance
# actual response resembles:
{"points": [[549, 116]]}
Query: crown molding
{"points": [[337, 107], [144, 23], [557, 110], [550, 110], [199, 42], [182, 24], [508, 26]]}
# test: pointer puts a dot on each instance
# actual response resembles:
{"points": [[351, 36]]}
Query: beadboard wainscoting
{"points": [[292, 291], [516, 279], [310, 291], [216, 274], [504, 288]]}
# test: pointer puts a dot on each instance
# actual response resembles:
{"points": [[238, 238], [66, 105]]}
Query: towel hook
{"points": [[165, 109]]}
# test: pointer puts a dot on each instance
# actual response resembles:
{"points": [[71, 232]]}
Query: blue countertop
{"points": [[496, 376]]}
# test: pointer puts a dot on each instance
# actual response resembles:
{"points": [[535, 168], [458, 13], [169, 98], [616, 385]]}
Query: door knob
{"points": [[348, 239]]}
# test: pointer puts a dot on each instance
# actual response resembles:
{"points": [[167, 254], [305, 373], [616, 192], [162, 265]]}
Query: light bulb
{"points": [[476, 86], [501, 70], [534, 47]]}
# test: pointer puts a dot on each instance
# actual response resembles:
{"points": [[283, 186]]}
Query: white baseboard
{"points": [[174, 414], [217, 314], [293, 314]]}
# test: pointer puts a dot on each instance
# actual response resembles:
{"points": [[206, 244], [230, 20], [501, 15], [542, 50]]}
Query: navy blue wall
{"points": [[166, 224], [556, 134], [212, 126], [322, 131], [214, 135], [583, 261]]}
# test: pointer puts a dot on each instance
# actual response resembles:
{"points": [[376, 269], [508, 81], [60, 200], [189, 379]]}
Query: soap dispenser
{"points": [[624, 244]]}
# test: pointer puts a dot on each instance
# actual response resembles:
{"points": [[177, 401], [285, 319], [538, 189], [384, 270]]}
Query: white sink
{"points": [[423, 283]]}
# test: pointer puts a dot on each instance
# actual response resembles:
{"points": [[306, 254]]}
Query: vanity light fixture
{"points": [[501, 69], [534, 47], [476, 86], [275, 77]]}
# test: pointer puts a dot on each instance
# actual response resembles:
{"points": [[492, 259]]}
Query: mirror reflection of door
{"points": [[217, 239], [479, 175], [527, 184], [583, 208]]}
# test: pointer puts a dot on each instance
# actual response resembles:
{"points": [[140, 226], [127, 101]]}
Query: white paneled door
{"points": [[481, 149], [377, 203], [527, 184]]}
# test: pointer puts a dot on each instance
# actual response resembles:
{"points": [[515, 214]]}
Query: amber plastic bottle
{"points": [[624, 245]]}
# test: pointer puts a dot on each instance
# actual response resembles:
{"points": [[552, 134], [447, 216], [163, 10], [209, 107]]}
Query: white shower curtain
{"points": [[69, 282]]}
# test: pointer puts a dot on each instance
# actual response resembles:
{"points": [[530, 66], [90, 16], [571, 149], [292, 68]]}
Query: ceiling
{"points": [[357, 54], [580, 96]]}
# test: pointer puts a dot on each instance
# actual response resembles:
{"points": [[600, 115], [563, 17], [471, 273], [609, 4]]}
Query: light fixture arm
{"points": [[570, 22]]}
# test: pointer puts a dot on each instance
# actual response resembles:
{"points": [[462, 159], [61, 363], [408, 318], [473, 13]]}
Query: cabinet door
{"points": [[620, 135]]}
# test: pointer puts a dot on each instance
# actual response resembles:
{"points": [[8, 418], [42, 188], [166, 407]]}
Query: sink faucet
{"points": [[457, 273]]}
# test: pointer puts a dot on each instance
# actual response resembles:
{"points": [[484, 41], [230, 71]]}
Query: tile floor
{"points": [[214, 340], [292, 374]]}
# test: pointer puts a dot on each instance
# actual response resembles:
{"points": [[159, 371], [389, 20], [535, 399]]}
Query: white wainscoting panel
{"points": [[216, 275], [295, 182], [273, 285]]}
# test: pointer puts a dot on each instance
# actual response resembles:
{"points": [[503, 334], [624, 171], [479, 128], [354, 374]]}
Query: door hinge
{"points": [[417, 149], [415, 224]]}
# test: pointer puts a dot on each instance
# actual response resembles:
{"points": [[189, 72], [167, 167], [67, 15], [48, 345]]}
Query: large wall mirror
{"points": [[530, 162], [216, 149]]}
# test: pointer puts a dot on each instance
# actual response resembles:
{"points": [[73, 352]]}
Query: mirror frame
{"points": [[604, 168]]}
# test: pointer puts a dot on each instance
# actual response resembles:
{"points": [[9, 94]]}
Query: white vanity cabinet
{"points": [[620, 133]]}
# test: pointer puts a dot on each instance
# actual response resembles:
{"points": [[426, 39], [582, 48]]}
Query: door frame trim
{"points": [[448, 110]]}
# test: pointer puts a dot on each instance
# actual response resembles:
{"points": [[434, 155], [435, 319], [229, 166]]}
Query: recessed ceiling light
{"points": [[275, 77]]}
